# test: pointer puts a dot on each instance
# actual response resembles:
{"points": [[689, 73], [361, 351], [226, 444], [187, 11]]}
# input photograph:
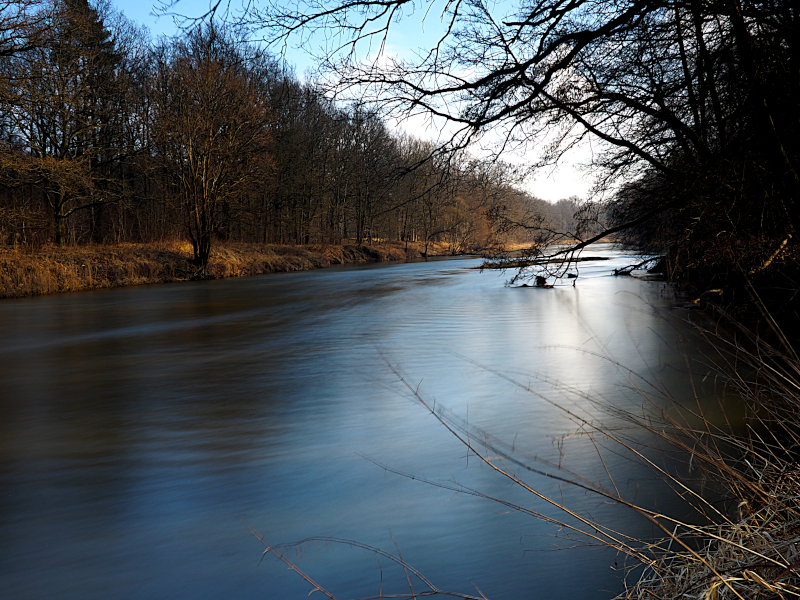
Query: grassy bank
{"points": [[52, 269]]}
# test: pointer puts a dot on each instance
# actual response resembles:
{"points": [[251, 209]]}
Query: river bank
{"points": [[53, 269]]}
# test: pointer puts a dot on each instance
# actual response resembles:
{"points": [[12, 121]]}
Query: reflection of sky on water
{"points": [[137, 425]]}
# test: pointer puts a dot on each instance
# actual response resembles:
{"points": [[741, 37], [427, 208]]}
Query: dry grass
{"points": [[751, 551], [51, 270], [753, 557]]}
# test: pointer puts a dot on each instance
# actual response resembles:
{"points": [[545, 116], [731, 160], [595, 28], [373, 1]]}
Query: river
{"points": [[141, 428]]}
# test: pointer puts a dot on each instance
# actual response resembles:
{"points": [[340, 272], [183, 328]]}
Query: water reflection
{"points": [[137, 425]]}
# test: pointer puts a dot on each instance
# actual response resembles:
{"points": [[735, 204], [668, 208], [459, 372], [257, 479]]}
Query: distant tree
{"points": [[309, 134], [373, 162]]}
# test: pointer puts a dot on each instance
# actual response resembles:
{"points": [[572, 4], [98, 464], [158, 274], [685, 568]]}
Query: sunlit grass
{"points": [[52, 269]]}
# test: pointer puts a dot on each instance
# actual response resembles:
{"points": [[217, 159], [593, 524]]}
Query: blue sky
{"points": [[550, 185], [142, 11]]}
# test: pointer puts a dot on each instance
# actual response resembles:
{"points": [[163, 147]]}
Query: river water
{"points": [[141, 428]]}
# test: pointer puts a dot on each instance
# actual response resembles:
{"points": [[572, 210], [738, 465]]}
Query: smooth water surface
{"points": [[140, 427]]}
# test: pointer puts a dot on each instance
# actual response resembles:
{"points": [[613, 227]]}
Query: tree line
{"points": [[107, 136]]}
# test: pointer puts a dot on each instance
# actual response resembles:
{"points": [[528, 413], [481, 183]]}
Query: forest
{"points": [[108, 136]]}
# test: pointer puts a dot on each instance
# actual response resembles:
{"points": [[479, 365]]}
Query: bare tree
{"points": [[211, 127]]}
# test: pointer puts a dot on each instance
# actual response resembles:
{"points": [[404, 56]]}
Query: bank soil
{"points": [[52, 269]]}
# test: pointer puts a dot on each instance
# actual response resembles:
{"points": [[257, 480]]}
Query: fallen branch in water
{"points": [[511, 264], [628, 269]]}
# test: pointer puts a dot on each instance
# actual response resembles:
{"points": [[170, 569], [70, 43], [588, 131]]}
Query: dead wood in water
{"points": [[521, 264]]}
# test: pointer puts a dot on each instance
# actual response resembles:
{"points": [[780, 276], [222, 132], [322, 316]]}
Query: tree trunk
{"points": [[59, 229]]}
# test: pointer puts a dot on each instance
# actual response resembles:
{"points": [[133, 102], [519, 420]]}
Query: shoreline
{"points": [[53, 270]]}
